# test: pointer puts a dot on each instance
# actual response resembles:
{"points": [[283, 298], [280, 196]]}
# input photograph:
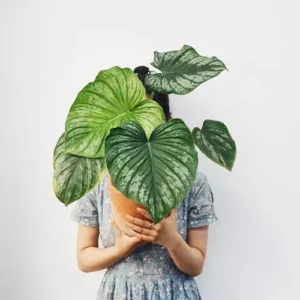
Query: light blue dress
{"points": [[149, 272]]}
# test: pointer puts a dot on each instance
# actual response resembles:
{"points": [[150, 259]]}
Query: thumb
{"points": [[173, 211], [114, 226]]}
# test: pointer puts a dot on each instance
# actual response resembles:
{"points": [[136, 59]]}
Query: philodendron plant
{"points": [[113, 126]]}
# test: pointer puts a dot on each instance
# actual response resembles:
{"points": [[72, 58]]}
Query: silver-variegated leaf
{"points": [[74, 175], [182, 71], [157, 172], [215, 141], [116, 95]]}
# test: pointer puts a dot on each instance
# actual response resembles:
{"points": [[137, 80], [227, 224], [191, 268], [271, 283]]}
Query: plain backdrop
{"points": [[50, 49]]}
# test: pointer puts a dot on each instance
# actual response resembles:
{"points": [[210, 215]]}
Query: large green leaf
{"points": [[157, 172], [182, 71], [74, 175], [215, 141], [116, 95]]}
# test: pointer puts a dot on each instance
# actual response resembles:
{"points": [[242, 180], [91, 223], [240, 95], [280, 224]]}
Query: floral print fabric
{"points": [[149, 272]]}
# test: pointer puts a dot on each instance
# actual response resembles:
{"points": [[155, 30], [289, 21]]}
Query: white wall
{"points": [[50, 49]]}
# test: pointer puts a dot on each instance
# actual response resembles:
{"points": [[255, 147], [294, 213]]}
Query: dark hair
{"points": [[161, 99]]}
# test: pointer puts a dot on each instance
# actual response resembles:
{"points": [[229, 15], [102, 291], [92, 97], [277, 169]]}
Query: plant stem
{"points": [[152, 95]]}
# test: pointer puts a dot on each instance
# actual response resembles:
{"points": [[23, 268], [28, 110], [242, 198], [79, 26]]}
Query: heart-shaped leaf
{"points": [[182, 71], [116, 95], [215, 141], [74, 175], [157, 172]]}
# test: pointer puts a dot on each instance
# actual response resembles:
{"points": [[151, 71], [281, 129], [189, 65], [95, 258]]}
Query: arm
{"points": [[189, 256], [90, 258]]}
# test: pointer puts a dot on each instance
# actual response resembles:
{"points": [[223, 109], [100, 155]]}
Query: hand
{"points": [[125, 244], [164, 233]]}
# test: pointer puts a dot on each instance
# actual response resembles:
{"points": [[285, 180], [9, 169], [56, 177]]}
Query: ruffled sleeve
{"points": [[201, 210], [85, 210]]}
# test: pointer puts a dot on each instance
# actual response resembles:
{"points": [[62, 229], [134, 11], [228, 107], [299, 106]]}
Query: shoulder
{"points": [[95, 193], [102, 184], [103, 179], [200, 179], [201, 184], [200, 176]]}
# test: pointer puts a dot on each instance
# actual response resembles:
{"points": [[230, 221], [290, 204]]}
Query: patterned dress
{"points": [[149, 272]]}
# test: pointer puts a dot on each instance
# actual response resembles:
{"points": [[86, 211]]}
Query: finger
{"points": [[145, 238], [173, 211], [168, 215], [138, 221], [141, 230], [144, 212]]}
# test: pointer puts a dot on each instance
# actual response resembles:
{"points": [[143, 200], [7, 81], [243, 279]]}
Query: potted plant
{"points": [[112, 127]]}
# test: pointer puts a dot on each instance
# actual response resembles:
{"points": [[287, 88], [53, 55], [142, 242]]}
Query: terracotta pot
{"points": [[123, 206]]}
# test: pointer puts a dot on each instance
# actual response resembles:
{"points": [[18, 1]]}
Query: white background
{"points": [[51, 49]]}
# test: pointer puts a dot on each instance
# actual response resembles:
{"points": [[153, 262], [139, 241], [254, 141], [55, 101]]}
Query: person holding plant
{"points": [[158, 261], [133, 171]]}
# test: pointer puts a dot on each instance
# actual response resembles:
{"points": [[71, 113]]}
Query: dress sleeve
{"points": [[201, 210], [85, 210]]}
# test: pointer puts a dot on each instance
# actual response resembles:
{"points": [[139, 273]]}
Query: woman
{"points": [[158, 261]]}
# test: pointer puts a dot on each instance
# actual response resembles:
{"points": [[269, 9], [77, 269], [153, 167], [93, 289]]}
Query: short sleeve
{"points": [[85, 210], [201, 210]]}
